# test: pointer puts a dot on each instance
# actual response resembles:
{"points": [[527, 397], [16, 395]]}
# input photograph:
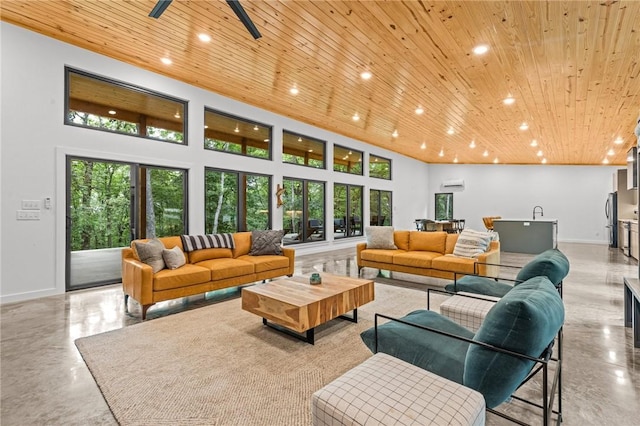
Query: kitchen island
{"points": [[527, 236]]}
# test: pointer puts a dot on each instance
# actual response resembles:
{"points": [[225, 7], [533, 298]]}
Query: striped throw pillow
{"points": [[471, 243], [197, 242]]}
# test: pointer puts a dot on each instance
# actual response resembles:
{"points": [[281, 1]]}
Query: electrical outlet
{"points": [[30, 205], [28, 214]]}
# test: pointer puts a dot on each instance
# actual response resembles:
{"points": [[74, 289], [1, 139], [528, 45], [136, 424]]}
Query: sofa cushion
{"points": [[551, 263], [524, 321], [227, 268], [401, 239], [480, 285], [434, 352], [380, 237], [173, 258], [266, 263], [379, 255], [427, 241], [452, 239], [197, 242], [211, 253], [471, 243], [267, 242], [150, 252], [463, 265], [417, 259], [169, 279], [242, 241]]}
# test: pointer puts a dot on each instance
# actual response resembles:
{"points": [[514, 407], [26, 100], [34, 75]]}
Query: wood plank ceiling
{"points": [[571, 66]]}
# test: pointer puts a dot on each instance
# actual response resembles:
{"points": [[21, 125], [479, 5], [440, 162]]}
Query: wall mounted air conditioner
{"points": [[453, 183]]}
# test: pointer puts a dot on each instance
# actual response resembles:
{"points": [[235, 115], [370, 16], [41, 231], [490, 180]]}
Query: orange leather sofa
{"points": [[429, 254], [206, 270]]}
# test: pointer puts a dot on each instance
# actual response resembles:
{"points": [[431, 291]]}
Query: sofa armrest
{"points": [[137, 278], [488, 261], [359, 248], [291, 254]]}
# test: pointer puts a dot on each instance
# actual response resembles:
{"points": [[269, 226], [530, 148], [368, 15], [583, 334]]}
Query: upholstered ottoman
{"points": [[468, 309], [385, 390]]}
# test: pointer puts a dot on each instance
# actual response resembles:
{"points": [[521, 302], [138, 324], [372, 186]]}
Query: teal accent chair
{"points": [[514, 343], [551, 263]]}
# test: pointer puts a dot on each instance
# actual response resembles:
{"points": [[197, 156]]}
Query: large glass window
{"points": [[298, 149], [380, 208], [379, 167], [227, 133], [304, 211], [113, 106], [347, 160], [347, 210], [236, 201], [444, 206]]}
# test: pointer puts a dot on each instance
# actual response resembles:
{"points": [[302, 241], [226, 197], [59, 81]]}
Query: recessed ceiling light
{"points": [[256, 128], [441, 153], [605, 161], [237, 129], [611, 152], [544, 161], [534, 142], [495, 160], [524, 126], [206, 127], [419, 110], [177, 114], [355, 117], [618, 140], [539, 153], [485, 153], [310, 150], [299, 139], [423, 146], [366, 75], [455, 160], [266, 140], [294, 90], [509, 100], [472, 144], [166, 61], [395, 133], [481, 49], [204, 37], [450, 131], [112, 112]]}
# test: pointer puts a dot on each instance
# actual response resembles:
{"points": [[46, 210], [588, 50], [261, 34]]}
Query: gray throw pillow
{"points": [[151, 253], [173, 258], [380, 237], [266, 242]]}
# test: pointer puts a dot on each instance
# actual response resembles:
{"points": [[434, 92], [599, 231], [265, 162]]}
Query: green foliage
{"points": [[380, 169], [444, 206], [121, 126]]}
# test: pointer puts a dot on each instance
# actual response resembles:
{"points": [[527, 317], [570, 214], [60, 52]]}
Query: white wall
{"points": [[575, 195], [35, 143]]}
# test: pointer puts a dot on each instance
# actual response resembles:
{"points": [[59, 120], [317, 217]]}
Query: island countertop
{"points": [[527, 235], [542, 219]]}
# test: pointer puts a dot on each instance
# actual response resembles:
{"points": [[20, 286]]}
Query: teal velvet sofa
{"points": [[514, 343]]}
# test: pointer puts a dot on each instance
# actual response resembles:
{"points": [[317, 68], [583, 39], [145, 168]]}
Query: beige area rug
{"points": [[218, 365]]}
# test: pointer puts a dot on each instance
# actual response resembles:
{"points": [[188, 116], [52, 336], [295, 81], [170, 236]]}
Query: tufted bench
{"points": [[385, 390]]}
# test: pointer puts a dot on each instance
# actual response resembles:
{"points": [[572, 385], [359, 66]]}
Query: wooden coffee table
{"points": [[295, 307]]}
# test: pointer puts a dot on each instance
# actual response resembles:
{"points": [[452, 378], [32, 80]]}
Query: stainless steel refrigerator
{"points": [[611, 211]]}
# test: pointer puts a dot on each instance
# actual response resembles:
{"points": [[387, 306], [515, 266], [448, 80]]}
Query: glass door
{"points": [[109, 204]]}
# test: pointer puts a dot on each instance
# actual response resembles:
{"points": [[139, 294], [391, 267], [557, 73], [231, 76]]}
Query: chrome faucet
{"points": [[534, 212]]}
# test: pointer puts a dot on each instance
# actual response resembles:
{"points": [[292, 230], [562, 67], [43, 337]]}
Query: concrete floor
{"points": [[44, 381]]}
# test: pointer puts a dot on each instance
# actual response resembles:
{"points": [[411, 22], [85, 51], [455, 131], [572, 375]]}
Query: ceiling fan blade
{"points": [[244, 18], [159, 8]]}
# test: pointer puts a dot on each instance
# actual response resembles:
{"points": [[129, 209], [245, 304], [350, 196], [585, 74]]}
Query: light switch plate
{"points": [[30, 205], [28, 214]]}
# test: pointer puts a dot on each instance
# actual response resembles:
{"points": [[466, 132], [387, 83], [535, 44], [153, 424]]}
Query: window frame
{"points": [[304, 220], [310, 139], [350, 152], [348, 224], [379, 211], [126, 86], [448, 195], [245, 121], [388, 160]]}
